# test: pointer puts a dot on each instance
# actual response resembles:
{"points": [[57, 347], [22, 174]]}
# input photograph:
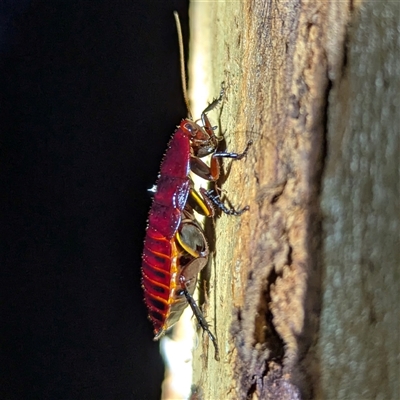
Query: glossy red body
{"points": [[173, 185], [161, 262]]}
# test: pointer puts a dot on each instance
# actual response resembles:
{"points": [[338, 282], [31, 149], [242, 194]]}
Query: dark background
{"points": [[90, 94]]}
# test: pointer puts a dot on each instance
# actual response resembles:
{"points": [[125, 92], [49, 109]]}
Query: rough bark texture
{"points": [[303, 289], [359, 343]]}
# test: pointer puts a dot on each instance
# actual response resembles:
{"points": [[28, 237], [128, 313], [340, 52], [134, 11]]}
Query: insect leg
{"points": [[235, 156], [204, 118], [211, 173], [201, 203], [214, 165], [199, 315], [214, 197], [214, 103]]}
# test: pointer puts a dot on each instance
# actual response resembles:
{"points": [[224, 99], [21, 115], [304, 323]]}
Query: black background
{"points": [[90, 94]]}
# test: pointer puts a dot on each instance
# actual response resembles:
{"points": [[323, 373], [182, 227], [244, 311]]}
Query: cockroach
{"points": [[175, 246]]}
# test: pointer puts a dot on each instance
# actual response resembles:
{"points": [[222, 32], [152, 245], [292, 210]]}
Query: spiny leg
{"points": [[214, 197], [199, 316], [211, 172], [215, 102], [235, 156], [204, 118]]}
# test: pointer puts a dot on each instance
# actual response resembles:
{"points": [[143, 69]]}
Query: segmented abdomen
{"points": [[156, 271]]}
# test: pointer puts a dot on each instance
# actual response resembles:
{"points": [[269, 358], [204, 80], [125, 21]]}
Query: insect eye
{"points": [[191, 129]]}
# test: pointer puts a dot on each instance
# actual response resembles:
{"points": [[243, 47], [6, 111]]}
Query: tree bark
{"points": [[302, 291]]}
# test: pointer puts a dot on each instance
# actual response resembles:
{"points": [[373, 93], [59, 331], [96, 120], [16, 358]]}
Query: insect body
{"points": [[175, 247]]}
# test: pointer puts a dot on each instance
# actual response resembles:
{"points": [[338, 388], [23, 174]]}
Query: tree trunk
{"points": [[303, 289]]}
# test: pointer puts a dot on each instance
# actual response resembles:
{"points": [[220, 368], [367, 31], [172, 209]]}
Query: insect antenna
{"points": [[182, 62]]}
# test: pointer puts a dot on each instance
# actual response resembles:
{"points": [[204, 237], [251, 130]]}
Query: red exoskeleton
{"points": [[175, 247]]}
